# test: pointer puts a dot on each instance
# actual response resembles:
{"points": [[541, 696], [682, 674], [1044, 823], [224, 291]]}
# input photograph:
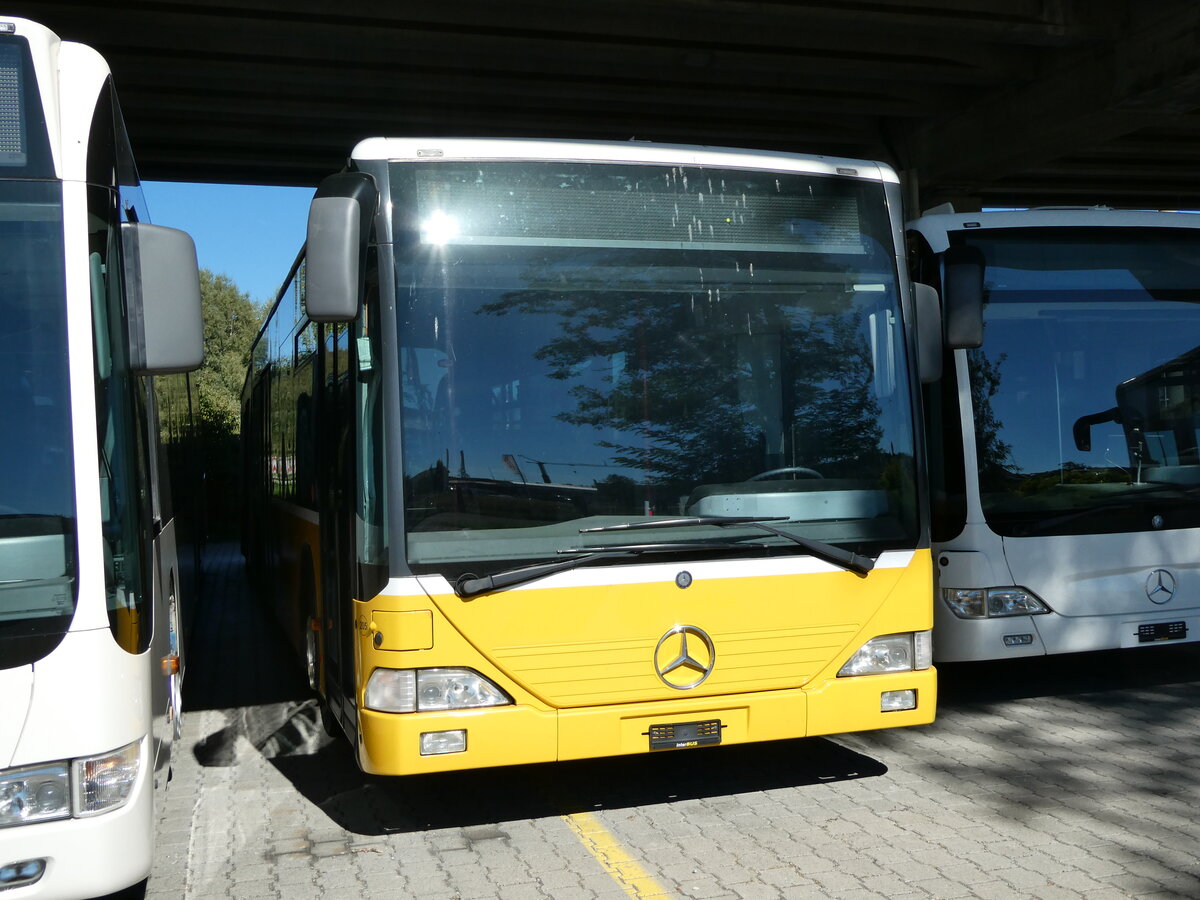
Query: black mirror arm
{"points": [[1082, 429]]}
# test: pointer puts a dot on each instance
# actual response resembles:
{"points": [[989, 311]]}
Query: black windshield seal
{"points": [[1147, 509], [1084, 393]]}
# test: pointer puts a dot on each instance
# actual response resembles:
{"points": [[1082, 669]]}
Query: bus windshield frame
{"points": [[592, 344], [1086, 391]]}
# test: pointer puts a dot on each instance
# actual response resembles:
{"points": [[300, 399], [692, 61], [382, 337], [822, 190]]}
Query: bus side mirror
{"points": [[339, 221], [962, 288], [929, 332], [1082, 429], [162, 296]]}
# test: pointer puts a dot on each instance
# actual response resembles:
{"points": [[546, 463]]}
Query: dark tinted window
{"points": [[37, 492], [1086, 392], [24, 140]]}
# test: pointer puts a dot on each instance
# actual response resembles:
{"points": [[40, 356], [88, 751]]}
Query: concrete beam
{"points": [[1149, 76]]}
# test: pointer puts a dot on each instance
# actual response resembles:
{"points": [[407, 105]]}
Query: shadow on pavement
{"points": [[968, 684], [366, 804], [239, 662], [236, 654], [136, 892], [274, 730]]}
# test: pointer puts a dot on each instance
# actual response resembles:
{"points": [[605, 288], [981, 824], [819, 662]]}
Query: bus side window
{"points": [[372, 464], [943, 427]]}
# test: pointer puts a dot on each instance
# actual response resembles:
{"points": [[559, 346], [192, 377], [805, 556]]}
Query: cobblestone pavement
{"points": [[1055, 778]]}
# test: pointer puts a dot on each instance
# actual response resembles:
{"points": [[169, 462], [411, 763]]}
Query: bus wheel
{"points": [[328, 722], [310, 653]]}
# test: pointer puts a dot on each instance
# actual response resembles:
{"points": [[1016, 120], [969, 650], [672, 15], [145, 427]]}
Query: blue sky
{"points": [[247, 232]]}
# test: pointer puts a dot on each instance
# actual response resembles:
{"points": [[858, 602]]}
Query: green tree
{"points": [[199, 415], [231, 321]]}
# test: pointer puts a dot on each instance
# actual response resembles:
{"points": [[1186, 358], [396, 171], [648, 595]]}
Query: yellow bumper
{"points": [[389, 743]]}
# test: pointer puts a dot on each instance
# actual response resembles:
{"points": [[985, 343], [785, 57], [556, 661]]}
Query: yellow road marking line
{"points": [[615, 860]]}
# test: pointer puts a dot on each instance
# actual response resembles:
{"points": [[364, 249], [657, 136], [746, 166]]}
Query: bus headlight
{"points": [[79, 787], [997, 602], [430, 690], [392, 690], [35, 794], [456, 689], [891, 653], [104, 783]]}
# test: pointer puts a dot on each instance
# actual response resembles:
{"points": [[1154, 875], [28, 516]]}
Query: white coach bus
{"points": [[93, 301], [1063, 450]]}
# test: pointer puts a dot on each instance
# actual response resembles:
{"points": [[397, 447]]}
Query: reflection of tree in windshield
{"points": [[714, 388], [999, 472], [993, 455]]}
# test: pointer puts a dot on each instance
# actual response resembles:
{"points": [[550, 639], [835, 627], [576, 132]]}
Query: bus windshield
{"points": [[37, 505], [594, 344], [1086, 391]]}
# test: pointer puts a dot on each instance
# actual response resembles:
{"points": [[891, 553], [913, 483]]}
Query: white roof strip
{"points": [[635, 152]]}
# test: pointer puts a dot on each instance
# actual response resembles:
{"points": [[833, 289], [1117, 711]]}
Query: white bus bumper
{"points": [[1012, 637], [83, 857]]}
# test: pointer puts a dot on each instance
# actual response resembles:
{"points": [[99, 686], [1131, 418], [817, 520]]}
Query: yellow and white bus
{"points": [[571, 449], [94, 301]]}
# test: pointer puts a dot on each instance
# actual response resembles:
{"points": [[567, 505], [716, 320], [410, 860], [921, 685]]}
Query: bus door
{"points": [[256, 442], [336, 454], [167, 642]]}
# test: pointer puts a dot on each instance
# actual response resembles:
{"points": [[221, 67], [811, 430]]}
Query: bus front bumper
{"points": [[1013, 637], [391, 743], [83, 857]]}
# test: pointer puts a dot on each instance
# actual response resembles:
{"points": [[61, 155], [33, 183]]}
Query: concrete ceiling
{"points": [[998, 102]]}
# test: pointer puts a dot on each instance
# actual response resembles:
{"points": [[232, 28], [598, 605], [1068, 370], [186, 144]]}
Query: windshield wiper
{"points": [[847, 559], [469, 585], [683, 522]]}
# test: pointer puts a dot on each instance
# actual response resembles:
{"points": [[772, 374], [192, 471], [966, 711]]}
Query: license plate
{"points": [[682, 735], [1162, 631]]}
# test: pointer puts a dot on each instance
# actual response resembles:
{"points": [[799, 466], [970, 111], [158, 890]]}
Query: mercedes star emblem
{"points": [[684, 657], [1160, 586]]}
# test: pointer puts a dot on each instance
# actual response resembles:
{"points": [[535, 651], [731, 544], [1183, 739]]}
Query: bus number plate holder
{"points": [[1162, 631], [681, 735]]}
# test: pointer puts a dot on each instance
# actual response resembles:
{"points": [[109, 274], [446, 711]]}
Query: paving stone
{"points": [[303, 892], [255, 889], [756, 890]]}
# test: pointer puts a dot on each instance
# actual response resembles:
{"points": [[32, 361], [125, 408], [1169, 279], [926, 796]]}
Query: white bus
{"points": [[94, 300], [1064, 450]]}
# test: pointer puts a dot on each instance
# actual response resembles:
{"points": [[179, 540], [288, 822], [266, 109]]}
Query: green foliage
{"points": [[199, 415], [1073, 473], [230, 322]]}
